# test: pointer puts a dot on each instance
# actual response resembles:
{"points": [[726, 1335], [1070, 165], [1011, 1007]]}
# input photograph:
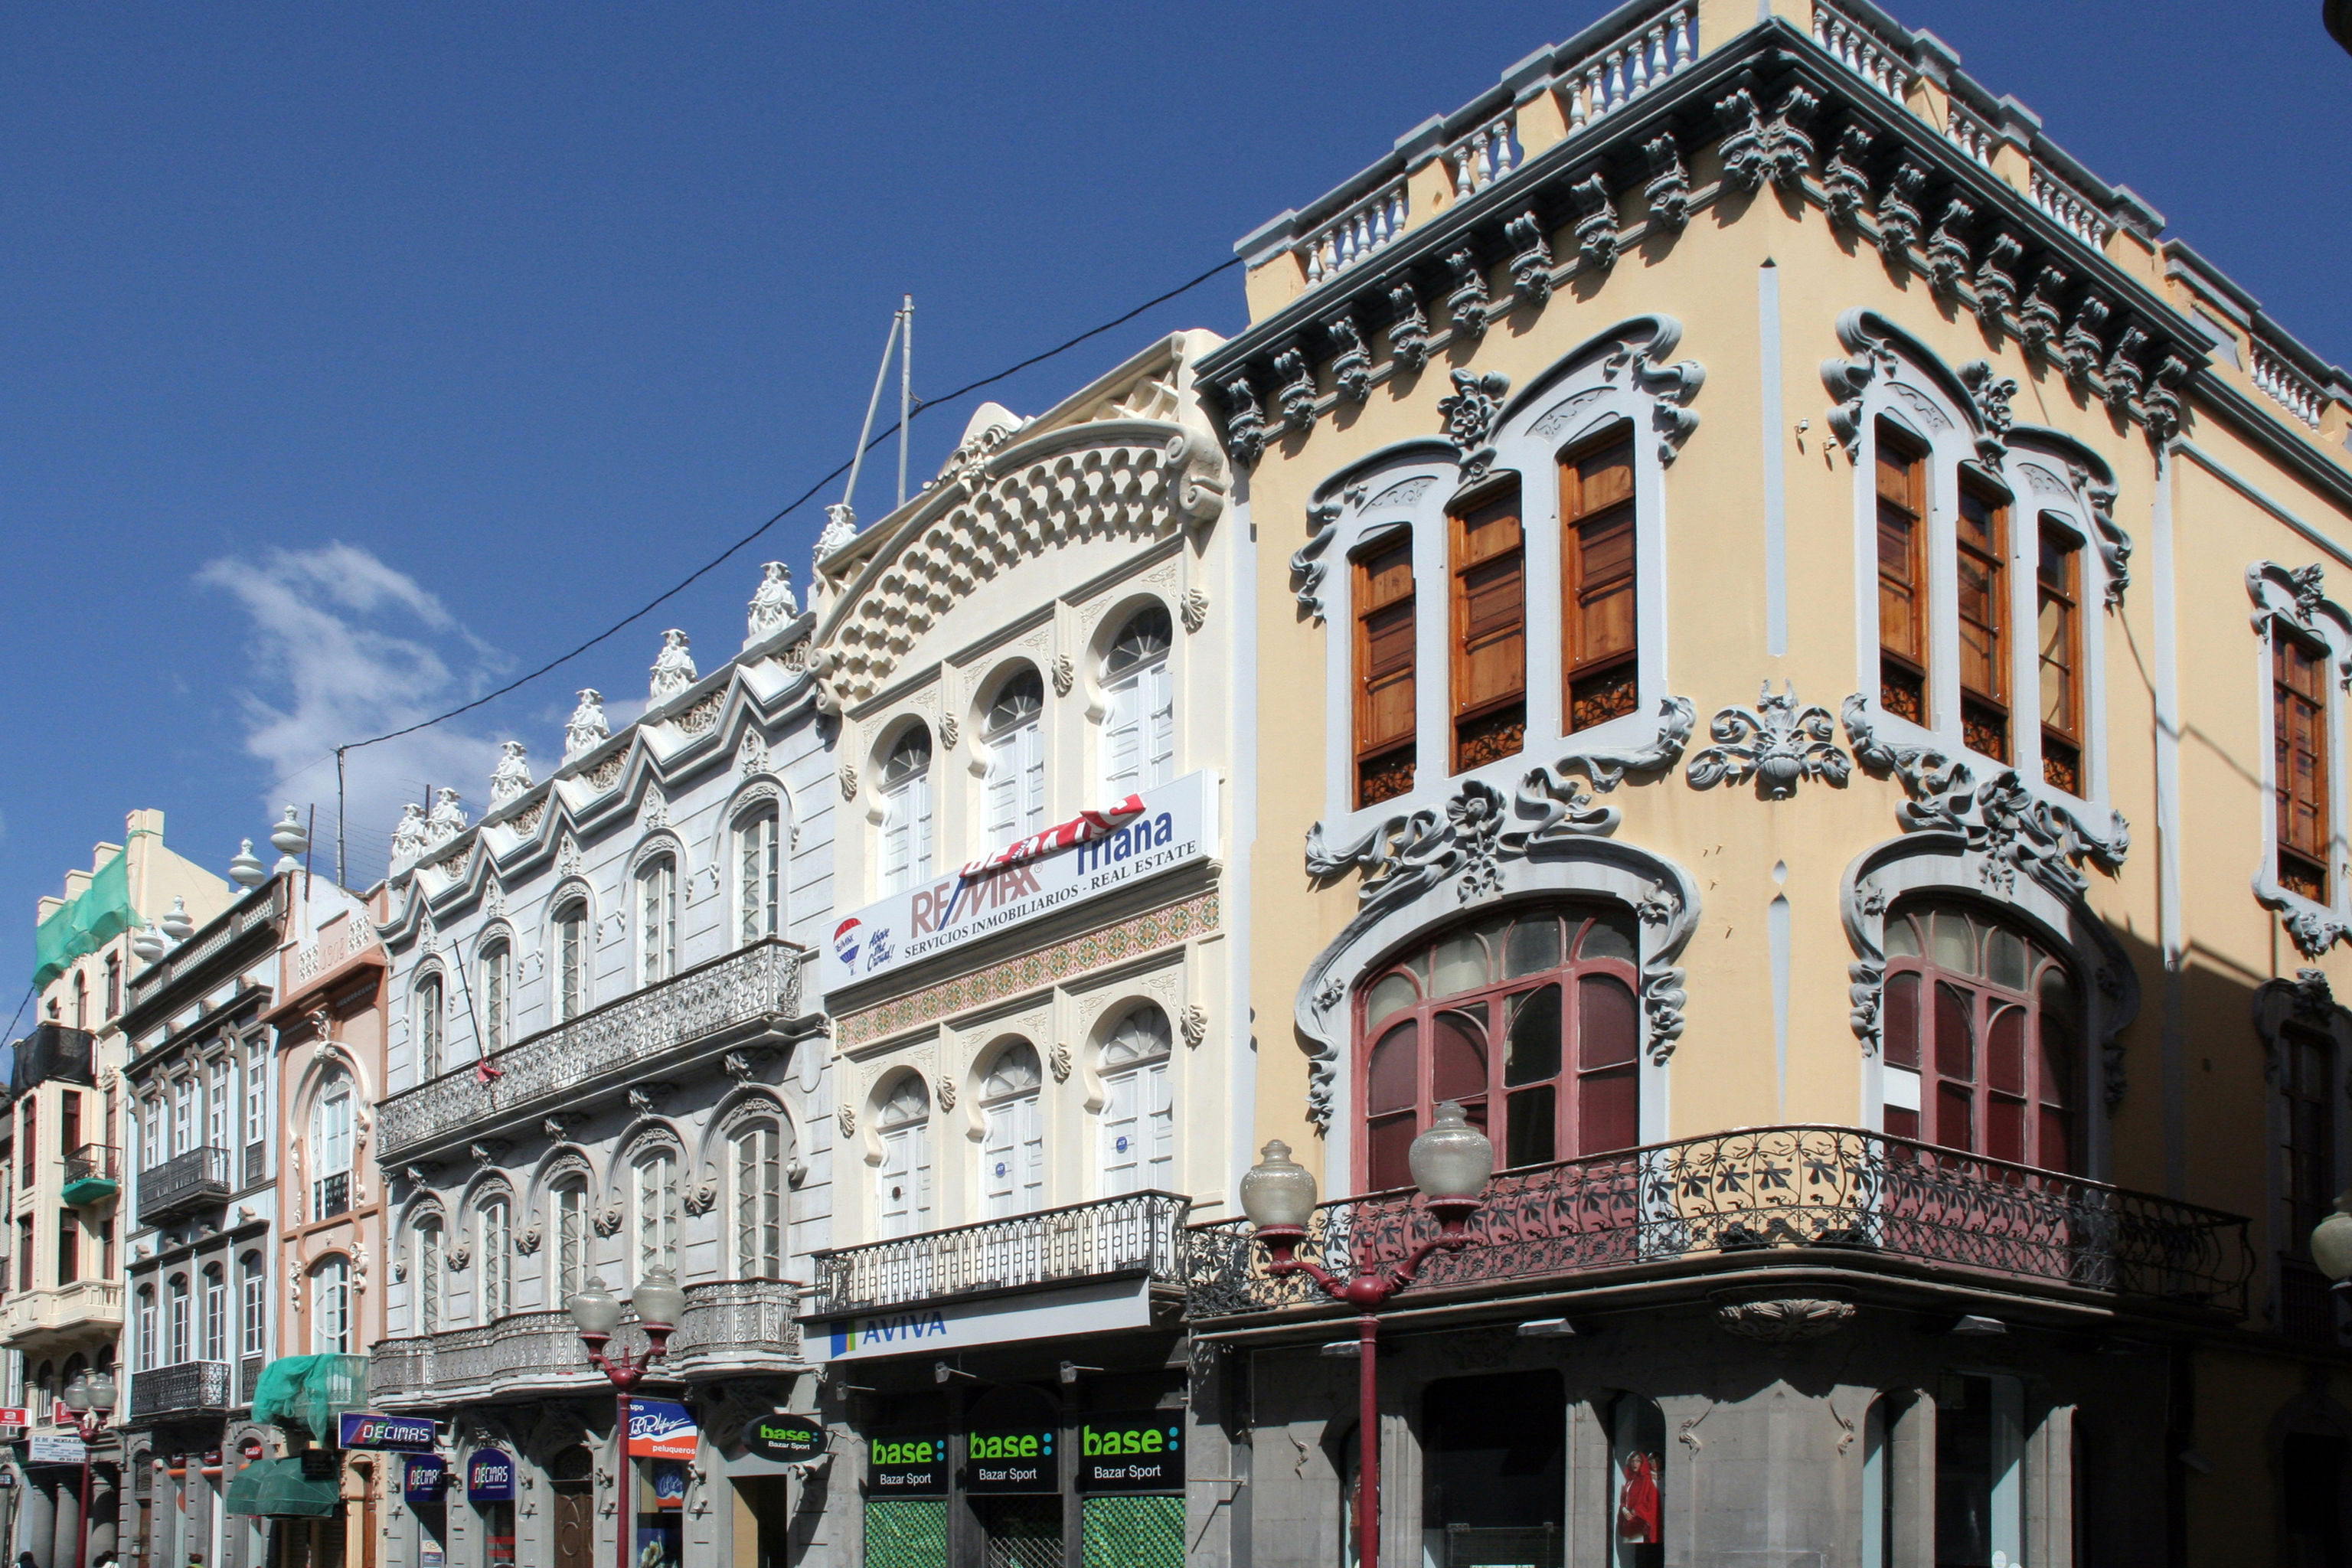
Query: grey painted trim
{"points": [[1240, 837], [2223, 472], [1777, 919], [1776, 489], [2172, 1035]]}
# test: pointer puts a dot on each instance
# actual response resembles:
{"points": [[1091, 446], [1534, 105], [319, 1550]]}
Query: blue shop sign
{"points": [[423, 1481], [490, 1475], [364, 1429]]}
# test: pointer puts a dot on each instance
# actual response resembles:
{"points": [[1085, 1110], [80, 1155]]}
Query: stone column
{"points": [[105, 1507], [38, 1530], [1911, 1482], [68, 1520]]}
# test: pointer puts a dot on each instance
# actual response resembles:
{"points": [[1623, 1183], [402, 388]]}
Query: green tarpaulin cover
{"points": [[95, 916], [311, 1391], [278, 1488]]}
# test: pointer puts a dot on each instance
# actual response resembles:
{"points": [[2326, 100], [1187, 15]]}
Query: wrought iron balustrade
{"points": [[1755, 1190], [94, 1161], [1141, 1233], [183, 1181], [744, 988], [183, 1388]]}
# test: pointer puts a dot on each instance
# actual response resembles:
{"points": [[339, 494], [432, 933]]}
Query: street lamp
{"points": [[91, 1400], [1450, 1162], [597, 1312], [2331, 1244]]}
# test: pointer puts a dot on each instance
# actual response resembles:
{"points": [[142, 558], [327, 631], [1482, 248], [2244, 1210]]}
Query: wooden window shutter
{"points": [[1385, 675], [1490, 631], [1597, 577]]}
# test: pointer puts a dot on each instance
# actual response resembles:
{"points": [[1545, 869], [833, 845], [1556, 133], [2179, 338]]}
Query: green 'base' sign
{"points": [[794, 1439], [1143, 1452]]}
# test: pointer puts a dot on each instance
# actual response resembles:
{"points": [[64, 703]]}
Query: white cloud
{"points": [[344, 646]]}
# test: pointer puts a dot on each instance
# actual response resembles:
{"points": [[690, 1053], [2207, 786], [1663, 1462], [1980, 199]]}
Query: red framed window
{"points": [[1987, 1020], [1530, 1019]]}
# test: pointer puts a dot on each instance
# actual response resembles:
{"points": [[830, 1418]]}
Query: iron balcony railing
{"points": [[748, 986], [730, 1327], [183, 1388], [1139, 1233], [1756, 1190], [183, 1181], [93, 1172]]}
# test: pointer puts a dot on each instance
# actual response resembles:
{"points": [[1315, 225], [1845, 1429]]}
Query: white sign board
{"points": [[995, 1321], [1176, 827], [54, 1448]]}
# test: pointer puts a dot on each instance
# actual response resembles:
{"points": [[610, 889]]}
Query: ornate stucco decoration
{"points": [[1192, 1024], [445, 820], [408, 841], [1776, 742], [840, 530], [1468, 305], [1352, 362], [1469, 415], [1409, 331], [586, 729], [1480, 847], [1947, 250], [1294, 397], [1193, 609], [511, 780], [1756, 150], [1668, 192], [2306, 1000], [1307, 565], [1989, 395], [673, 669], [2293, 602], [1784, 1320], [1245, 422], [772, 607]]}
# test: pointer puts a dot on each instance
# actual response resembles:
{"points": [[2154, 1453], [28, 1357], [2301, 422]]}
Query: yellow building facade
{"points": [[1800, 662]]}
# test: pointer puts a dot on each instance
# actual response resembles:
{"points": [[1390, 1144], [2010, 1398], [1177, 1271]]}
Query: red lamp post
{"points": [[91, 1400], [597, 1312], [1451, 1162]]}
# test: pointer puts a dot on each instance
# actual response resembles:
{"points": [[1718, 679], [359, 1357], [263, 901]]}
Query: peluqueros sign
{"points": [[1127, 842]]}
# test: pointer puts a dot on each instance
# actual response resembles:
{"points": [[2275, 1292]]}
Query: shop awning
{"points": [[278, 1490]]}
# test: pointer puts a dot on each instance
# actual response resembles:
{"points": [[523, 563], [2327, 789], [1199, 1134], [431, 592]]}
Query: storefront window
{"points": [[1493, 1471]]}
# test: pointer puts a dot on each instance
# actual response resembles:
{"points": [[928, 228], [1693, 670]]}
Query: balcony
{"points": [[1140, 1235], [93, 1174], [729, 1328], [1829, 1196], [30, 1317], [731, 999], [181, 1182], [185, 1388]]}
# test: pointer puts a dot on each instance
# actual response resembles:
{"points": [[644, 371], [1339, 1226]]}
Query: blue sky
{"points": [[357, 356]]}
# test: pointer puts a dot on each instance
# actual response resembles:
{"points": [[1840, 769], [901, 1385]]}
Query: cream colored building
{"points": [[1800, 675]]}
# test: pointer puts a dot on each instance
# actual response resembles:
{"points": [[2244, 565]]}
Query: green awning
{"points": [[311, 1391], [278, 1490], [96, 915]]}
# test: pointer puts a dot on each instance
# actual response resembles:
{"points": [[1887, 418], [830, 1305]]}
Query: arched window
{"points": [[176, 1325], [756, 1173], [1139, 735], [1983, 1039], [331, 1305], [567, 1203], [758, 875], [427, 1016], [1012, 804], [653, 1198], [426, 1276], [215, 1312], [497, 997], [658, 919], [571, 997], [494, 1245], [1013, 1145], [1139, 1116], [331, 1147], [1529, 1020], [143, 1345], [906, 857], [903, 1185], [252, 1306]]}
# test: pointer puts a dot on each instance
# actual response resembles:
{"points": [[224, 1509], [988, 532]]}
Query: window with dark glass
{"points": [[1596, 511], [1529, 1020], [1986, 1022], [1901, 576], [1982, 540], [2058, 589], [1495, 1470], [2307, 1161], [1385, 682], [1490, 631], [2299, 737]]}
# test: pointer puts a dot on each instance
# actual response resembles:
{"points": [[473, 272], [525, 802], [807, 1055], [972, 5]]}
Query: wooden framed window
{"points": [[1902, 479], [1530, 1022], [2058, 588], [1597, 613], [1385, 675], [2299, 739], [1981, 539], [2307, 1159], [1490, 631], [1985, 1022]]}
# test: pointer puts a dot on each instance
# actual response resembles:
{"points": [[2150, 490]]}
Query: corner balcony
{"points": [[188, 1388], [183, 1183], [1828, 1198], [1139, 1235], [32, 1319], [743, 999], [93, 1174], [729, 1328]]}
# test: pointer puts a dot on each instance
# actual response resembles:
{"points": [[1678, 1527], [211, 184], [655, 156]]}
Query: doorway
{"points": [[574, 1508], [767, 1500], [1020, 1531]]}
